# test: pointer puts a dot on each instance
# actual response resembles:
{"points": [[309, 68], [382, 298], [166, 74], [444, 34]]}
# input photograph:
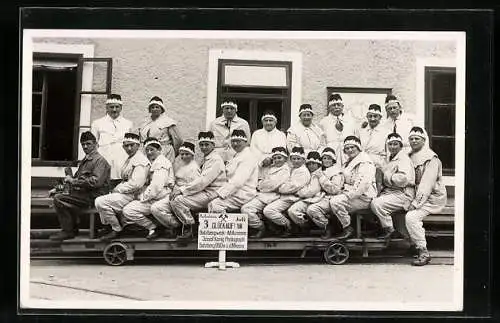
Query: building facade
{"points": [[71, 77]]}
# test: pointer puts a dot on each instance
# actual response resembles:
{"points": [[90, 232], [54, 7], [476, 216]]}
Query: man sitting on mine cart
{"points": [[90, 180], [359, 186], [196, 195], [134, 175]]}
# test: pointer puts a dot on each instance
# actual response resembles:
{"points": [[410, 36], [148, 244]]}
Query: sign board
{"points": [[226, 231]]}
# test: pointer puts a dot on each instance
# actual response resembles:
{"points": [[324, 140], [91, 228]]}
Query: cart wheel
{"points": [[115, 254], [336, 254]]}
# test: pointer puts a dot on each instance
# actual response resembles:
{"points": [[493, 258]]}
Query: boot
{"points": [[327, 233], [62, 235], [346, 233], [423, 258], [287, 231], [103, 231], [110, 236], [187, 233], [153, 234], [259, 233], [412, 251], [386, 233]]}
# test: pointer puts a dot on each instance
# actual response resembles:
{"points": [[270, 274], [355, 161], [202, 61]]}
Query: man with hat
{"points": [[90, 180], [134, 174], [359, 185], [396, 120], [109, 131], [265, 139], [242, 177], [306, 134], [337, 125], [223, 126], [196, 195]]}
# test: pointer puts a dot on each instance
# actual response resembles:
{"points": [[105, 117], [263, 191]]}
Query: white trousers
{"points": [[415, 227], [182, 205], [341, 207], [254, 210], [320, 212], [386, 204], [162, 212], [137, 212], [230, 203], [275, 211], [109, 205]]}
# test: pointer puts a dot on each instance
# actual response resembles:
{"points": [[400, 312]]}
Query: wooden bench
{"points": [[44, 205]]}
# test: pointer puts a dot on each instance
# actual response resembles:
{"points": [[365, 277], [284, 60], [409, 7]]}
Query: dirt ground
{"points": [[253, 281]]}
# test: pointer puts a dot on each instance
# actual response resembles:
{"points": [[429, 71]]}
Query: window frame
{"points": [[286, 97], [78, 98], [429, 106]]}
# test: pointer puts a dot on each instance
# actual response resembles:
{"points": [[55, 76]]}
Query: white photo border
{"points": [[25, 302]]}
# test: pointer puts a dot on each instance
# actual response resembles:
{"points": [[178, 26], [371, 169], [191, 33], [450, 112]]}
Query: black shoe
{"points": [[423, 258], [103, 231], [187, 233], [76, 232], [287, 232], [387, 233], [345, 234], [62, 235], [259, 233], [110, 236], [327, 233], [153, 234]]}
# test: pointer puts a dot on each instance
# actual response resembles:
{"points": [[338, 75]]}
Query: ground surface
{"points": [[253, 281]]}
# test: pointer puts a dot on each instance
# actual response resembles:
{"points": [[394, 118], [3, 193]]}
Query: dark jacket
{"points": [[92, 176]]}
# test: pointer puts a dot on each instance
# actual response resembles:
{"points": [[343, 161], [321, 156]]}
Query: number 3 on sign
{"points": [[205, 222]]}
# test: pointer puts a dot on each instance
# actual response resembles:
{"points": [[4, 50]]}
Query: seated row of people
{"points": [[307, 189]]}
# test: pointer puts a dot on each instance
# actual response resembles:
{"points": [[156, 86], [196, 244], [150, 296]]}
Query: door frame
{"points": [[294, 58]]}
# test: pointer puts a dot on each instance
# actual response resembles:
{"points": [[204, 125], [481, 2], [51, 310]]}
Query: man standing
{"points": [[196, 195], [90, 180], [397, 121], [337, 125], [306, 133], [109, 131], [223, 126], [134, 175]]}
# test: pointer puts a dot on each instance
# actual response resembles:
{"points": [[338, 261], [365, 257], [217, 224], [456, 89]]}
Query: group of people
{"points": [[285, 183]]}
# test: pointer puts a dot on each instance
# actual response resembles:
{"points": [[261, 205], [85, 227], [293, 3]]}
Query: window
{"points": [[256, 87], [56, 96], [440, 114]]}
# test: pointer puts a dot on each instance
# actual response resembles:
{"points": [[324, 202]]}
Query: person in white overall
{"points": [[196, 195], [398, 186], [158, 186], [109, 132], [337, 125], [265, 139], [242, 177], [267, 190], [430, 195], [359, 186], [186, 172], [331, 180], [305, 133], [309, 194], [299, 177], [223, 126], [134, 175]]}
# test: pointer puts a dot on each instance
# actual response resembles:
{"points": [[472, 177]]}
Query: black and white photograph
{"points": [[242, 170]]}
